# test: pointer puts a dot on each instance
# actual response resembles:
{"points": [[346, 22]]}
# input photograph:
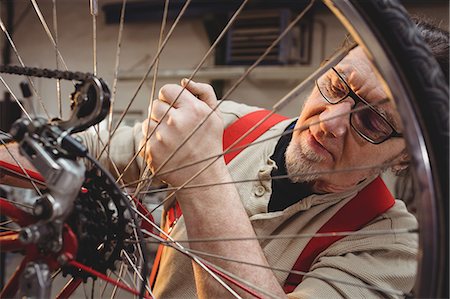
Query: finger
{"points": [[176, 96], [203, 91], [159, 110], [144, 144], [145, 148], [147, 128]]}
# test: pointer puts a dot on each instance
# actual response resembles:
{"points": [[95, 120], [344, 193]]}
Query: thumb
{"points": [[203, 91]]}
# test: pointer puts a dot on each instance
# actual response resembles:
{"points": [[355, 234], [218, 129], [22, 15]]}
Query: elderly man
{"points": [[300, 205], [345, 124]]}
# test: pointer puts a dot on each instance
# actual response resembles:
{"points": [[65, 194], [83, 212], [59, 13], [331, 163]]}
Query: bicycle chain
{"points": [[45, 73]]}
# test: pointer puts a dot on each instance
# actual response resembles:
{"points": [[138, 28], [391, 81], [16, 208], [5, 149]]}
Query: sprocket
{"points": [[102, 223]]}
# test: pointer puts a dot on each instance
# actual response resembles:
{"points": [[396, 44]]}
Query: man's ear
{"points": [[401, 163]]}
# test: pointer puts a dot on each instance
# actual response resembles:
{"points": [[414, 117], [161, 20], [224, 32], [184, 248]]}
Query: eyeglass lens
{"points": [[366, 121], [332, 88]]}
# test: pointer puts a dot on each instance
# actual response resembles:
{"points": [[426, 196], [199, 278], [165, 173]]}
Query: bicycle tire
{"points": [[420, 78]]}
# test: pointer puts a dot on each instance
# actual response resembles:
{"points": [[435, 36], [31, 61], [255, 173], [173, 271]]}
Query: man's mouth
{"points": [[318, 147]]}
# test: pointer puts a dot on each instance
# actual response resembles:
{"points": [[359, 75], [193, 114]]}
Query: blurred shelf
{"points": [[228, 73]]}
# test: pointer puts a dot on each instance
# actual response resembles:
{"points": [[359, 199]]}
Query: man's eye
{"points": [[335, 90], [338, 90], [370, 123]]}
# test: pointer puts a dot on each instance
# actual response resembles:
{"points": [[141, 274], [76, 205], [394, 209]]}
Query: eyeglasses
{"points": [[368, 122]]}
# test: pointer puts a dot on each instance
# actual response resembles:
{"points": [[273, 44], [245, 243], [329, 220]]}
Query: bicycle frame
{"points": [[10, 242]]}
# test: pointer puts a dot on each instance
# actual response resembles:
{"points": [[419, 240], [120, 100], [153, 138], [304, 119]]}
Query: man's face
{"points": [[330, 143]]}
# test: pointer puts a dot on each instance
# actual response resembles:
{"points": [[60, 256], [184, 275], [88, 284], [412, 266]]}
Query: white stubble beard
{"points": [[302, 162]]}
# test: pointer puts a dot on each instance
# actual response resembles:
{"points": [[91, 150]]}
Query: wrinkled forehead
{"points": [[357, 69], [362, 77]]}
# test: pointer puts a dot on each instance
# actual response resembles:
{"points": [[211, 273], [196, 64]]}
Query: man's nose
{"points": [[335, 119]]}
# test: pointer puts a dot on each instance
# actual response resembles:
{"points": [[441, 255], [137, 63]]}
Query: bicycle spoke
{"points": [[58, 81], [22, 176], [15, 98], [182, 250], [105, 284], [94, 12], [21, 168], [136, 271], [48, 32], [278, 177], [120, 277], [153, 87], [113, 164], [287, 132], [290, 236], [116, 73], [199, 65], [168, 197], [5, 223], [144, 78], [114, 291], [19, 58], [130, 278], [275, 237], [235, 85], [56, 273], [306, 274], [135, 233], [139, 258], [236, 280], [84, 290], [70, 287], [9, 229], [218, 273], [19, 204]]}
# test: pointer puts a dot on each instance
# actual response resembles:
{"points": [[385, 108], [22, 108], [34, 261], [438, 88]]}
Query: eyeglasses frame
{"points": [[356, 98]]}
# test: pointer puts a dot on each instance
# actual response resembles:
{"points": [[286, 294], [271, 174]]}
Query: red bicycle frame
{"points": [[10, 242]]}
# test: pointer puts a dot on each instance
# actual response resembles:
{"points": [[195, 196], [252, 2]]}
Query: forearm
{"points": [[118, 158], [217, 212]]}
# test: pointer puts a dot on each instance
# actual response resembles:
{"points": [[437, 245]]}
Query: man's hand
{"points": [[169, 126], [215, 211]]}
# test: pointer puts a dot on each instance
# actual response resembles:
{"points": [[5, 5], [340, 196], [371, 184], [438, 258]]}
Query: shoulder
{"points": [[383, 253], [232, 111], [392, 231]]}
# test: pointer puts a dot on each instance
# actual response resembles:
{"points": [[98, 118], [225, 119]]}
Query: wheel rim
{"points": [[431, 263]]}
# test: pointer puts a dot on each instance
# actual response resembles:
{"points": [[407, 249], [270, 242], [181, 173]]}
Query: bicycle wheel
{"points": [[410, 74]]}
